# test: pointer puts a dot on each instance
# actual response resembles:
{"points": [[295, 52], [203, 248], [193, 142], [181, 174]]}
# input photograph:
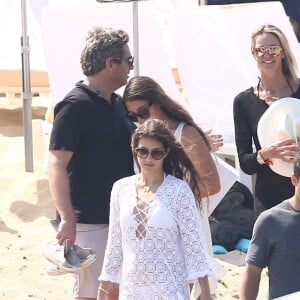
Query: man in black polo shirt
{"points": [[90, 149]]}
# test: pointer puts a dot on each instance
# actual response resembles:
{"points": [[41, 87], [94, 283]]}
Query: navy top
{"points": [[98, 134], [270, 188]]}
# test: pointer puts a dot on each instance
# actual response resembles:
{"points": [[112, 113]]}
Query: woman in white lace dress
{"points": [[144, 98], [155, 245]]}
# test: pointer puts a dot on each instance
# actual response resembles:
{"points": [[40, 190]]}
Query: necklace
{"points": [[146, 189], [267, 94]]}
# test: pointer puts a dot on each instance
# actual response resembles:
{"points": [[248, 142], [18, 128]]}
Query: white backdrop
{"points": [[11, 32], [212, 49], [64, 29], [211, 46]]}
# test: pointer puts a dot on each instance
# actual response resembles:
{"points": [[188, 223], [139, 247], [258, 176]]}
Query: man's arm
{"points": [[60, 191], [250, 282]]}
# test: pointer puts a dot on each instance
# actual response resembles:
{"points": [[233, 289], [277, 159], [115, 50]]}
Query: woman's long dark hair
{"points": [[177, 162], [145, 88]]}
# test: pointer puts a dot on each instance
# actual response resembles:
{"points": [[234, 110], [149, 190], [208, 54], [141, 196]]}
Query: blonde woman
{"points": [[278, 79]]}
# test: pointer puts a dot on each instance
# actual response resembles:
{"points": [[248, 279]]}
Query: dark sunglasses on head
{"points": [[143, 113], [129, 60], [156, 154], [272, 50]]}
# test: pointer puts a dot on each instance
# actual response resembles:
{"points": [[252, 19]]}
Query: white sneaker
{"points": [[65, 258], [61, 255], [86, 255], [54, 270]]}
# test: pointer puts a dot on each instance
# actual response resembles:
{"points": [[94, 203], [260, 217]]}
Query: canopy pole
{"points": [[26, 89], [135, 25]]}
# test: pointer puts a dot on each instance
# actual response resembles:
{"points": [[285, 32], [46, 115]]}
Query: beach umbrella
{"points": [[135, 27]]}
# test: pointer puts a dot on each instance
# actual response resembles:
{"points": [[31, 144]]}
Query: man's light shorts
{"points": [[93, 236]]}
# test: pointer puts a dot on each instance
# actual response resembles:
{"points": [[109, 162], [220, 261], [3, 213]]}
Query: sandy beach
{"points": [[25, 211]]}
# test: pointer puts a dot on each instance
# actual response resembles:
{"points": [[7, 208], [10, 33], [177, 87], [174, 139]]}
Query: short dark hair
{"points": [[101, 44]]}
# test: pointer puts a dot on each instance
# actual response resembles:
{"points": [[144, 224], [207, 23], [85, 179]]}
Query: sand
{"points": [[25, 211]]}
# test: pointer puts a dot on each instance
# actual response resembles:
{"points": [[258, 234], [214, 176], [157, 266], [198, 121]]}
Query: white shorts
{"points": [[93, 236]]}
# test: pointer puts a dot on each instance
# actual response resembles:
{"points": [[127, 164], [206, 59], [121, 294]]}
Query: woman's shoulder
{"points": [[245, 99], [244, 94], [173, 181], [176, 188], [189, 130], [191, 136], [125, 181]]}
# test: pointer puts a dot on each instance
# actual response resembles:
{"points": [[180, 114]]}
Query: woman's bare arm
{"points": [[199, 153]]}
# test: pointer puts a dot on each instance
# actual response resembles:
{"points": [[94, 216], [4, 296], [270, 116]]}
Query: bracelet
{"points": [[267, 161], [106, 291]]}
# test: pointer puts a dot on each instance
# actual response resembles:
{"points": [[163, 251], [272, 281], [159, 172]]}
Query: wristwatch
{"points": [[259, 158]]}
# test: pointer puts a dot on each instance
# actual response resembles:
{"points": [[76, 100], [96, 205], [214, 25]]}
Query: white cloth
{"points": [[170, 255], [178, 131], [217, 269], [228, 176]]}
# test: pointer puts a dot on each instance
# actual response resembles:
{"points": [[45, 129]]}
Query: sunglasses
{"points": [[143, 113], [156, 154], [272, 50], [129, 60]]}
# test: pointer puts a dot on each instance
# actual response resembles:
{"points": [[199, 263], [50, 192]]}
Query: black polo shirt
{"points": [[98, 134]]}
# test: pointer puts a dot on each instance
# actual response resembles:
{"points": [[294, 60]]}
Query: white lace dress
{"points": [[170, 254]]}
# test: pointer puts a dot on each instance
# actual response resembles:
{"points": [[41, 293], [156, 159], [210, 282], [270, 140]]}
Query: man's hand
{"points": [[66, 231]]}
